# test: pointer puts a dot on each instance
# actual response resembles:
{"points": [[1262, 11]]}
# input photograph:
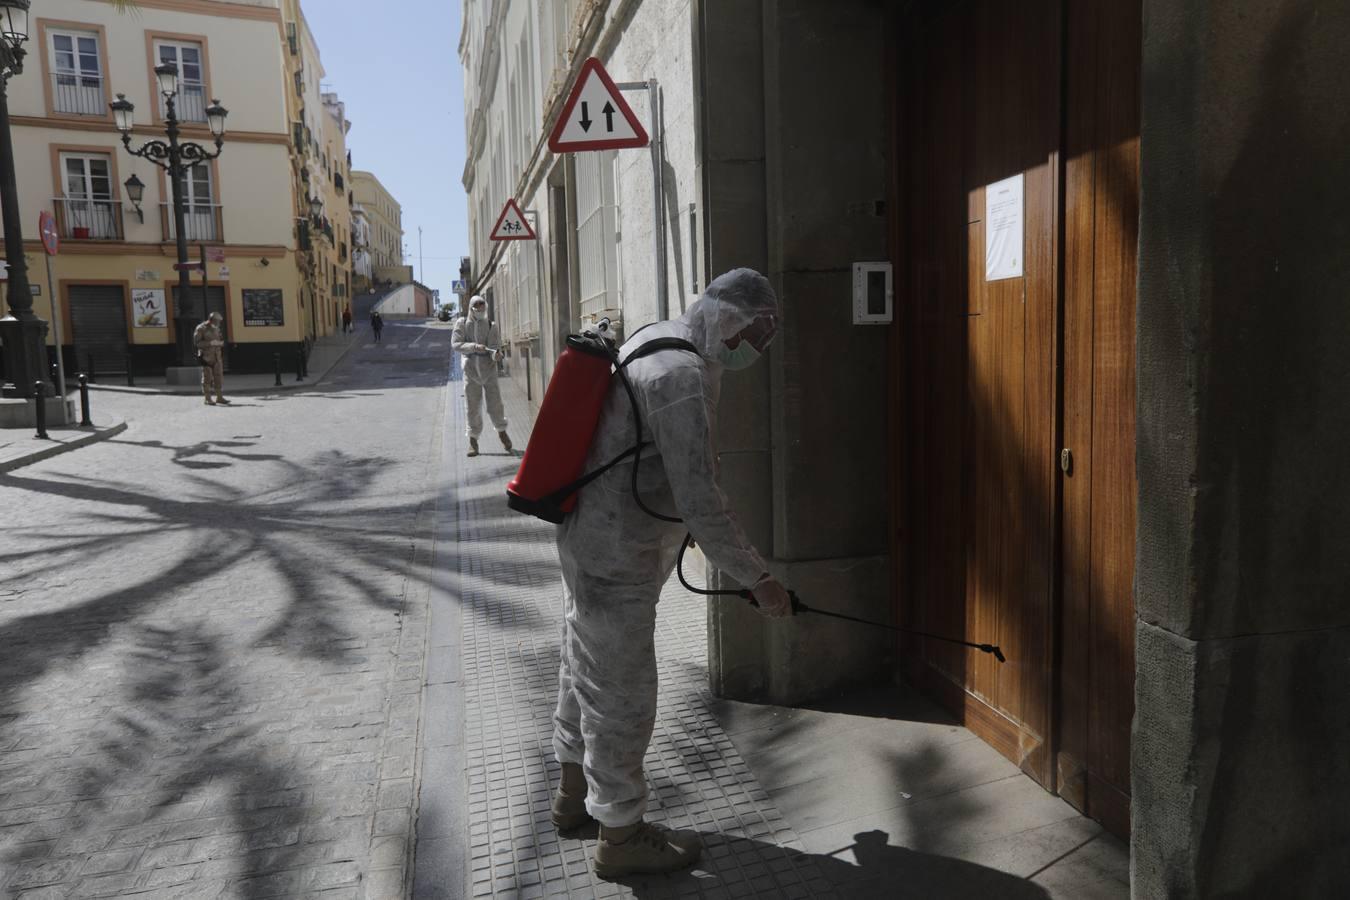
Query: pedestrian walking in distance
{"points": [[347, 320], [616, 558], [209, 340], [480, 341], [377, 325]]}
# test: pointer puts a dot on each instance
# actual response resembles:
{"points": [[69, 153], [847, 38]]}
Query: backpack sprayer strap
{"points": [[655, 346], [562, 493]]}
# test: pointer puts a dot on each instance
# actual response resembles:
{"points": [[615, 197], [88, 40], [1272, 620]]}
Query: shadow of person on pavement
{"points": [[744, 867]]}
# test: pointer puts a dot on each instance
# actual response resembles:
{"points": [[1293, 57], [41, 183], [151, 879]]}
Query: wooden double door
{"points": [[1015, 376]]}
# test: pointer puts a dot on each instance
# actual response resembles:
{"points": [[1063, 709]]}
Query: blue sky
{"points": [[398, 72]]}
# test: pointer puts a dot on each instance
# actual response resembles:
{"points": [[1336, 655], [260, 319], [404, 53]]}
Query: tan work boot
{"points": [[506, 440], [473, 446], [209, 402], [643, 849], [222, 400], [569, 800]]}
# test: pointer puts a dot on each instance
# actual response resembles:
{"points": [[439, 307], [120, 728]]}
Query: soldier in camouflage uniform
{"points": [[209, 340]]}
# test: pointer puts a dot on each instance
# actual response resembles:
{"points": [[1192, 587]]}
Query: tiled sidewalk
{"points": [[511, 621], [884, 796]]}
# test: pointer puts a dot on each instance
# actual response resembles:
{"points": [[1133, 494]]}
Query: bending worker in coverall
{"points": [[616, 558], [480, 341], [209, 339]]}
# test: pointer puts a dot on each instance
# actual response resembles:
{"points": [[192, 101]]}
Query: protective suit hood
{"points": [[731, 302]]}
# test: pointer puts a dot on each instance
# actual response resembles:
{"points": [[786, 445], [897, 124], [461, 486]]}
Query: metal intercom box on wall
{"points": [[873, 297]]}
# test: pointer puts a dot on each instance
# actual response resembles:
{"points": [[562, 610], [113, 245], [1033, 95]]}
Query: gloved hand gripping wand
{"points": [[799, 607]]}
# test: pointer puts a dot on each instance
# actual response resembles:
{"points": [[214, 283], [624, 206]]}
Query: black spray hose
{"points": [[799, 607]]}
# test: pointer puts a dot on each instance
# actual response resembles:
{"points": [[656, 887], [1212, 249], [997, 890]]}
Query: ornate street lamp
{"points": [[135, 193], [176, 158], [22, 333]]}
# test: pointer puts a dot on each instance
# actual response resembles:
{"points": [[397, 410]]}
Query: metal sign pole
{"points": [[657, 143], [659, 200], [56, 334]]}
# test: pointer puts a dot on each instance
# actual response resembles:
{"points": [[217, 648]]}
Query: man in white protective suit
{"points": [[480, 341], [616, 558]]}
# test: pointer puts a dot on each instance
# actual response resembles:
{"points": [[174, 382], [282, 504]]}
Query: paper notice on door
{"points": [[1003, 242]]}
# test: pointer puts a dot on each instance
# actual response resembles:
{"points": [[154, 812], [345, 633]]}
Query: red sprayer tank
{"points": [[556, 453]]}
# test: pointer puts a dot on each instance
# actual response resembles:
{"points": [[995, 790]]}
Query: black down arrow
{"points": [[585, 116]]}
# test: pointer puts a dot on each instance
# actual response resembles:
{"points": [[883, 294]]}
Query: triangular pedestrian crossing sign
{"points": [[511, 225], [595, 116]]}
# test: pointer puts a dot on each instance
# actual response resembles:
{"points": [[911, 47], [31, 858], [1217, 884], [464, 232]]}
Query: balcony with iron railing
{"points": [[190, 103], [78, 95], [89, 219], [202, 222]]}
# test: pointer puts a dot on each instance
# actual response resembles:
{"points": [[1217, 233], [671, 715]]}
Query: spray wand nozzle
{"points": [[799, 607]]}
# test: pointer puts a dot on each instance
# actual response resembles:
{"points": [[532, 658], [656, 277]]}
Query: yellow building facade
{"points": [[384, 218], [114, 278]]}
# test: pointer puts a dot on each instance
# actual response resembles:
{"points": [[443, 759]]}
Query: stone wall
{"points": [[1240, 772]]}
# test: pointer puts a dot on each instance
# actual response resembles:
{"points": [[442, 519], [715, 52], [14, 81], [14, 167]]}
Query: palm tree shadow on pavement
{"points": [[129, 612]]}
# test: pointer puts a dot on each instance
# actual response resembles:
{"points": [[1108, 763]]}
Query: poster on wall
{"points": [[1003, 229], [263, 307], [148, 308]]}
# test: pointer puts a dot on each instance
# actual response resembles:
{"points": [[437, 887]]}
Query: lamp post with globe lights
{"points": [[22, 333], [176, 158]]}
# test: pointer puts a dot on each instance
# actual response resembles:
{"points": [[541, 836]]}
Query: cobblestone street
{"points": [[212, 631]]}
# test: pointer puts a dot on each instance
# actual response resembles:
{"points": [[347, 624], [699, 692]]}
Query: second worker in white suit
{"points": [[480, 342]]}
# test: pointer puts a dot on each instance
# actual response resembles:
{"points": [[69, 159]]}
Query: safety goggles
{"points": [[760, 332]]}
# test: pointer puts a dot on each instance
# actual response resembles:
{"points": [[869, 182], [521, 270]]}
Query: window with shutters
{"points": [[88, 208], [190, 58], [76, 73], [597, 232]]}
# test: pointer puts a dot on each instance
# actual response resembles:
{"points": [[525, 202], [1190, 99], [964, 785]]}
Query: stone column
{"points": [[1241, 771]]}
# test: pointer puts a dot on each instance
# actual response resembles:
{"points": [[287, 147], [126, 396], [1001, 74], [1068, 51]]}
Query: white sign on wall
{"points": [[1003, 231], [148, 308]]}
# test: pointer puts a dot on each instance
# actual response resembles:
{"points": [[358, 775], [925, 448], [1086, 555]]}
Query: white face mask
{"points": [[478, 314]]}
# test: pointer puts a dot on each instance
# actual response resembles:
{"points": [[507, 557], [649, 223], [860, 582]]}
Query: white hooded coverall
{"points": [[615, 558], [480, 371]]}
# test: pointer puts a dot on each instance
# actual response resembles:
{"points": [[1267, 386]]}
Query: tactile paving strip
{"points": [[511, 615]]}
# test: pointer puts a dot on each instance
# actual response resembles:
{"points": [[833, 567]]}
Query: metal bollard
{"points": [[276, 364], [299, 365], [131, 376], [40, 398], [93, 375], [84, 402]]}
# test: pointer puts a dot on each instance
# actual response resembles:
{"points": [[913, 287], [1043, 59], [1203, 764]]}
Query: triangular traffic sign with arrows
{"points": [[511, 225], [595, 116]]}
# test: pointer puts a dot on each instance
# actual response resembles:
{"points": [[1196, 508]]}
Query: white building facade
{"points": [[594, 212]]}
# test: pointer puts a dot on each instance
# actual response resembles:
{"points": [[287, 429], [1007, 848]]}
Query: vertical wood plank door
{"points": [[1000, 537], [1101, 200], [982, 106]]}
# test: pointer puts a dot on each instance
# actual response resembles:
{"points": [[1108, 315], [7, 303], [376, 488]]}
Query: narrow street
{"points": [[299, 647]]}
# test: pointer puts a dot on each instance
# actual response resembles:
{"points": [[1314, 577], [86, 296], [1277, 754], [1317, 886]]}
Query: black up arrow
{"points": [[585, 116], [609, 116]]}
